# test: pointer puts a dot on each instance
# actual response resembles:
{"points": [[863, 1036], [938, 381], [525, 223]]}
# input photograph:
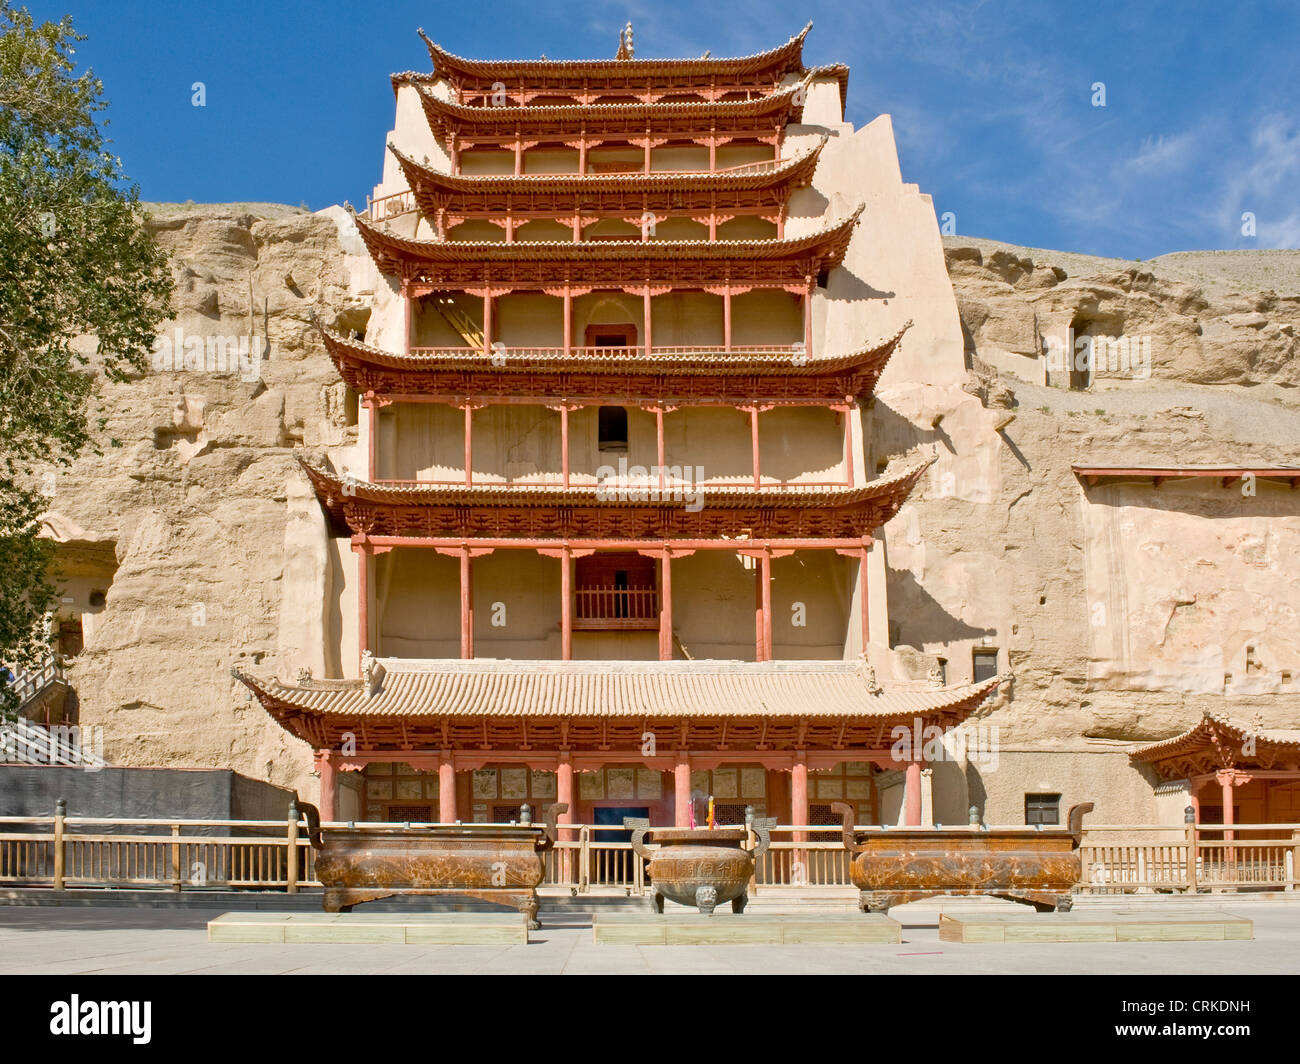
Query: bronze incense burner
{"points": [[498, 863], [892, 866], [704, 867]]}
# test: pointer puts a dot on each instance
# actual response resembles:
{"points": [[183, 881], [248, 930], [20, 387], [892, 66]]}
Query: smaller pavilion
{"points": [[1257, 770]]}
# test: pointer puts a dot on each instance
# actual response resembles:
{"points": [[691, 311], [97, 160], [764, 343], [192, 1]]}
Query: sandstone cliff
{"points": [[190, 482]]}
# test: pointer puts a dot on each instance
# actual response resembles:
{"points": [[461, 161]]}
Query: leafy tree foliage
{"points": [[83, 289]]}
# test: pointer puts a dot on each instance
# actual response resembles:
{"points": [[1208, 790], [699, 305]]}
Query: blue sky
{"points": [[992, 102]]}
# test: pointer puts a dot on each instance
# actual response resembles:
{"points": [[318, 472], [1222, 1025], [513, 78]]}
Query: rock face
{"points": [[191, 484], [1120, 610]]}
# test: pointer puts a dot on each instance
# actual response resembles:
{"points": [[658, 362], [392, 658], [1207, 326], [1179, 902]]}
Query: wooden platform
{"points": [[411, 929], [735, 929], [1099, 926]]}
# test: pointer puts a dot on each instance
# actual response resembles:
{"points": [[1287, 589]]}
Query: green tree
{"points": [[75, 261]]}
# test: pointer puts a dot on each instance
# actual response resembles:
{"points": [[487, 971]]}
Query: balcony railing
{"points": [[626, 608], [391, 206], [792, 351]]}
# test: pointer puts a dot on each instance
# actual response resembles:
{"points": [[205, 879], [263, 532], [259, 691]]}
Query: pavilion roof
{"points": [[1217, 742], [412, 258], [797, 169], [784, 58], [516, 373], [630, 512], [776, 704], [781, 107]]}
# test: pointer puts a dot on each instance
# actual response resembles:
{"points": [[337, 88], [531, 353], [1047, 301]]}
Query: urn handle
{"points": [[762, 826], [845, 812], [638, 826], [1075, 820], [312, 815], [552, 817]]}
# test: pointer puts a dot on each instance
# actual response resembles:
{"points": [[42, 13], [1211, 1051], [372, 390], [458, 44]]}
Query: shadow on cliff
{"points": [[895, 434], [919, 617]]}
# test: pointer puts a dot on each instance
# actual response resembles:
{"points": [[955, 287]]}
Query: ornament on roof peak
{"points": [[625, 47]]}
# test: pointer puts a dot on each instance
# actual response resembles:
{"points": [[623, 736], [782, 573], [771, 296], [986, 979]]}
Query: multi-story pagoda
{"points": [[607, 534]]}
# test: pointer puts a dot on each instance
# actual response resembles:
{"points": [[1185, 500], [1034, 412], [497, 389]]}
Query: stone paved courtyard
{"points": [[104, 940]]}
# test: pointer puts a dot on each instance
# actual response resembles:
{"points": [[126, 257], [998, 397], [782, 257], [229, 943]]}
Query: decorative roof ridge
{"points": [[613, 65], [578, 110], [663, 176]]}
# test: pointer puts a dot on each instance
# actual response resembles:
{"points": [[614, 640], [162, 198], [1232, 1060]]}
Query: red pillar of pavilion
{"points": [[564, 795], [682, 790], [446, 788], [912, 795], [328, 771]]}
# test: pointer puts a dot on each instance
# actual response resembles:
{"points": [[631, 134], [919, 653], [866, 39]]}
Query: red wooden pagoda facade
{"points": [[488, 243]]}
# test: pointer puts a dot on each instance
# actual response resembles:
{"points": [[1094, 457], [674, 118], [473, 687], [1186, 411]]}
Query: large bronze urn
{"points": [[499, 863], [704, 867], [1036, 866]]}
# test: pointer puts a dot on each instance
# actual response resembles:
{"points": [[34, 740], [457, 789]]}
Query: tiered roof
{"points": [[789, 262], [1215, 743], [471, 124], [502, 194], [600, 512], [587, 705], [679, 377], [645, 79]]}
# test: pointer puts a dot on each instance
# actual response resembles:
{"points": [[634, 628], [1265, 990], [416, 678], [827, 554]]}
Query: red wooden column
{"points": [[762, 604], [846, 412], [466, 605], [519, 157], [799, 793], [582, 155], [647, 151], [713, 149], [566, 604], [568, 306], [363, 595], [406, 315], [807, 317], [564, 795], [645, 302], [912, 795], [659, 443], [564, 445], [864, 607], [469, 445], [666, 606], [446, 788], [753, 435], [372, 430], [726, 318], [682, 790], [1228, 778], [329, 778], [487, 322]]}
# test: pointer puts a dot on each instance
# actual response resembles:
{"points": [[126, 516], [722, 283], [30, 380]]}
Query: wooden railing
{"points": [[614, 607], [391, 206], [186, 855], [791, 351]]}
